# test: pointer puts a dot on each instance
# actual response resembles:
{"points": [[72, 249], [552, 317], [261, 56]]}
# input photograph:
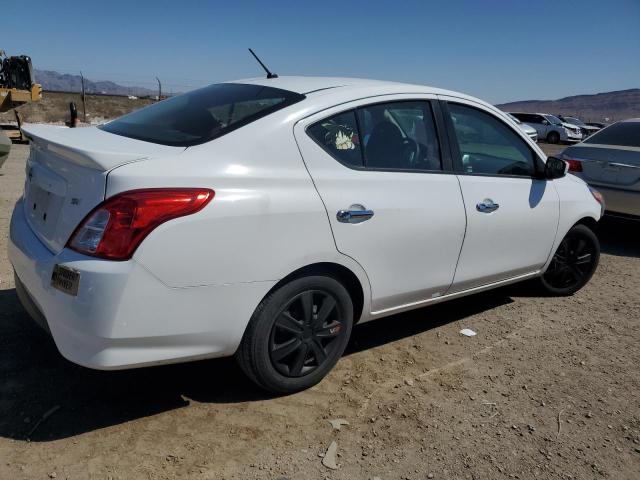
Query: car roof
{"points": [[308, 85], [325, 92]]}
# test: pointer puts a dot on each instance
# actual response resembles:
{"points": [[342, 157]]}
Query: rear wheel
{"points": [[297, 334], [5, 146], [553, 137], [574, 263]]}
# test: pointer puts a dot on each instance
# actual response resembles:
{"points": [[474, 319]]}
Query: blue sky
{"points": [[497, 50]]}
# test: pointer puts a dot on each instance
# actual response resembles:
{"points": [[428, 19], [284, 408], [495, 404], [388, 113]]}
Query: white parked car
{"points": [[528, 129], [265, 217], [550, 128]]}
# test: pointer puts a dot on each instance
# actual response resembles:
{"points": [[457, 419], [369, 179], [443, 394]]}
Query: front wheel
{"points": [[297, 334], [574, 262], [553, 137]]}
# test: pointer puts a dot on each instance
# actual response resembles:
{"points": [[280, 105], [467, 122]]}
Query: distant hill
{"points": [[596, 108], [63, 82]]}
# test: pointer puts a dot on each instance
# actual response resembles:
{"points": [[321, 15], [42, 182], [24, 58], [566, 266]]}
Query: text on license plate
{"points": [[65, 279]]}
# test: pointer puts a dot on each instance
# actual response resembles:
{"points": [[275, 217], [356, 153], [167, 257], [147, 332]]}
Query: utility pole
{"points": [[159, 89], [84, 105]]}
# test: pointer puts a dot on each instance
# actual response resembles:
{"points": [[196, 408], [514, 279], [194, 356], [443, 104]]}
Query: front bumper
{"points": [[123, 316], [574, 137]]}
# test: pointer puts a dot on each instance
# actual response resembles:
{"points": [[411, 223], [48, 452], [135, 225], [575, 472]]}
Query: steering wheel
{"points": [[410, 151]]}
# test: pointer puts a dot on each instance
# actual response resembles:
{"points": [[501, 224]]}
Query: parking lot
{"points": [[547, 389]]}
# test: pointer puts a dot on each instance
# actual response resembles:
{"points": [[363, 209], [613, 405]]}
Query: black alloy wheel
{"points": [[305, 333], [297, 334], [574, 262]]}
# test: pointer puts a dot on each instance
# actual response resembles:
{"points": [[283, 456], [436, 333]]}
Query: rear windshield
{"points": [[201, 115], [626, 134]]}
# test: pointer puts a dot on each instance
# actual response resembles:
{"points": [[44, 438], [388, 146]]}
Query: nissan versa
{"points": [[264, 218]]}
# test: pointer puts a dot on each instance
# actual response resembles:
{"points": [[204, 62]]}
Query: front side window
{"points": [[201, 115], [399, 136], [394, 136], [553, 119], [489, 146]]}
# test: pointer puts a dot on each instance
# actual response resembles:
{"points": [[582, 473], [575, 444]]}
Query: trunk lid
{"points": [[67, 173], [609, 166]]}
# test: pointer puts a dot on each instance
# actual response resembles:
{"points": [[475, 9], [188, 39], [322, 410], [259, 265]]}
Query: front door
{"points": [[379, 171], [512, 214]]}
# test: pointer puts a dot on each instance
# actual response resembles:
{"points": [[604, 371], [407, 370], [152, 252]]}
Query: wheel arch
{"points": [[588, 222], [343, 274]]}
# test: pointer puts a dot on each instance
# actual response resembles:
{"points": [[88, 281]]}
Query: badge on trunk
{"points": [[65, 279]]}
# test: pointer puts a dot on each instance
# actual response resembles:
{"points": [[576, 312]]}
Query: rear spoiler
{"points": [[92, 147]]}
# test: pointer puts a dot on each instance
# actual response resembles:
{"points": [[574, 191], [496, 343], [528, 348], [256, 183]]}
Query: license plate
{"points": [[65, 279]]}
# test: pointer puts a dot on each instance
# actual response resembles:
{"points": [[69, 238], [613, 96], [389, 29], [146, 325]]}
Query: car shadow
{"points": [[619, 236], [35, 379]]}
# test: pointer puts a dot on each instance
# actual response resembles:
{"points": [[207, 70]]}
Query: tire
{"points": [[573, 264], [5, 147], [288, 346], [553, 137]]}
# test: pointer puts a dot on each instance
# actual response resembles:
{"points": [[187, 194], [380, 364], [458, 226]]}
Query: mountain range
{"points": [[600, 107], [64, 82]]}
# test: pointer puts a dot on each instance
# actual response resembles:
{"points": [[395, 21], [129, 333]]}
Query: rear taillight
{"points": [[574, 165], [115, 228]]}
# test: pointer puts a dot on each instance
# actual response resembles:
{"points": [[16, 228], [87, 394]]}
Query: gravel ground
{"points": [[549, 388]]}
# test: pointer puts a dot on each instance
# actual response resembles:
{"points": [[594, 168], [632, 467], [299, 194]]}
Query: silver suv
{"points": [[550, 127]]}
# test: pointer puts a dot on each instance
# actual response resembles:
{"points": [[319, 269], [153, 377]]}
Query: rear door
{"points": [[383, 173], [512, 216]]}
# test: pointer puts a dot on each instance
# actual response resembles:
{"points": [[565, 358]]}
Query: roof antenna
{"points": [[269, 74]]}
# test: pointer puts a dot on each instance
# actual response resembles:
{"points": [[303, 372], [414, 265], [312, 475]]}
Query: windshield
{"points": [[625, 134], [514, 118], [553, 119], [201, 115], [574, 120]]}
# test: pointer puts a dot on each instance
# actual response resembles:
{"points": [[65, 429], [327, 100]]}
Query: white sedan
{"points": [[263, 218]]}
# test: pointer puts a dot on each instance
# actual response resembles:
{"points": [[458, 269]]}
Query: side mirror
{"points": [[545, 122], [555, 168]]}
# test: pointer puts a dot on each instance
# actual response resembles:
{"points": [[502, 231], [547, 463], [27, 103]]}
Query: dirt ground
{"points": [[549, 389], [54, 108]]}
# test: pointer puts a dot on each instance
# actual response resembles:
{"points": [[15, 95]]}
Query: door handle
{"points": [[625, 165], [487, 206], [355, 214]]}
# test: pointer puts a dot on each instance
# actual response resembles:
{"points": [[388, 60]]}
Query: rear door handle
{"points": [[487, 206], [355, 214]]}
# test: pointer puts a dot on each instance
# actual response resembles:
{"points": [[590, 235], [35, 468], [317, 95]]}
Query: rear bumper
{"points": [[625, 202], [123, 316]]}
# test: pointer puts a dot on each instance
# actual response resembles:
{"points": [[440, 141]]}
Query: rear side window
{"points": [[626, 134], [201, 115], [338, 135], [394, 136], [489, 146]]}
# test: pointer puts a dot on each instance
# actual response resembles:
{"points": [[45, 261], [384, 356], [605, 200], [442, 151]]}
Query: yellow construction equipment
{"points": [[17, 87]]}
